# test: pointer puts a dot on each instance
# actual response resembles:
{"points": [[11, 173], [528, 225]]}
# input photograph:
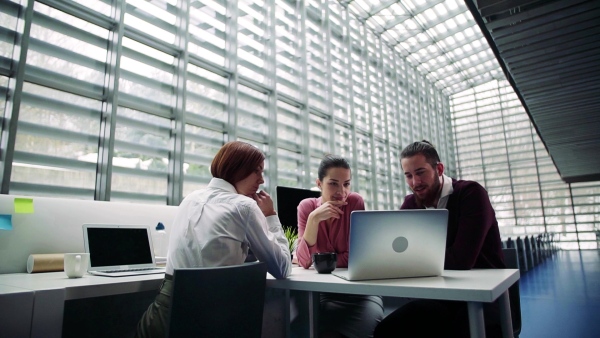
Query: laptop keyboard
{"points": [[128, 270]]}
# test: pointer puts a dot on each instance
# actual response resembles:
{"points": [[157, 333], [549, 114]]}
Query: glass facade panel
{"points": [[133, 107], [252, 39], [498, 146], [207, 31], [288, 49]]}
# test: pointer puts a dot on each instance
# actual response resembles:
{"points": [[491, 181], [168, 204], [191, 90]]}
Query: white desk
{"points": [[51, 290], [474, 287]]}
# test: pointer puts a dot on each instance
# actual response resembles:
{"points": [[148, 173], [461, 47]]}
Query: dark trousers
{"points": [[425, 318], [154, 322]]}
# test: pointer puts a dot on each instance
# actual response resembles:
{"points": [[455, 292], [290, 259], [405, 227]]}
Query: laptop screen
{"points": [[117, 246]]}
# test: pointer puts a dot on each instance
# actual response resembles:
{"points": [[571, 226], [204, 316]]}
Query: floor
{"points": [[561, 297]]}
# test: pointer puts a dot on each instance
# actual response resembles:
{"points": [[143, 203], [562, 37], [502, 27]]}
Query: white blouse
{"points": [[216, 226]]}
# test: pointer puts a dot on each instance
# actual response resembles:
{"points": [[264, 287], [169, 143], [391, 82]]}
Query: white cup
{"points": [[76, 264]]}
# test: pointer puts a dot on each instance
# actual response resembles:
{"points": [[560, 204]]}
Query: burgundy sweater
{"points": [[473, 238]]}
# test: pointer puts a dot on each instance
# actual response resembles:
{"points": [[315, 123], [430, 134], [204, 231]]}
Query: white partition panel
{"points": [[54, 225]]}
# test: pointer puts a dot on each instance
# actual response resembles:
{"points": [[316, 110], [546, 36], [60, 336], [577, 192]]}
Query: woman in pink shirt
{"points": [[324, 226]]}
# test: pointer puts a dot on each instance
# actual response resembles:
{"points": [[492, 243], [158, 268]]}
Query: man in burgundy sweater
{"points": [[472, 241]]}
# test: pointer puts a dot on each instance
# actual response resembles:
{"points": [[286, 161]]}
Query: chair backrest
{"points": [[510, 243], [529, 249], [536, 250], [511, 259], [522, 255], [223, 301], [542, 245]]}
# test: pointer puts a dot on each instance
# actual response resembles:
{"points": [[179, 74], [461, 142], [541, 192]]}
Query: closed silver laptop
{"points": [[396, 244]]}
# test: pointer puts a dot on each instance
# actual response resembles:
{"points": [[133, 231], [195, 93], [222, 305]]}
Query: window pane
{"points": [[207, 30], [288, 53]]}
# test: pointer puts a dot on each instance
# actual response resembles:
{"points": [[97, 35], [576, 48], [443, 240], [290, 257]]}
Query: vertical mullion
{"points": [[305, 114], [434, 115], [419, 110], [537, 172], [371, 135], [350, 85], [458, 166], [438, 114], [425, 111], [450, 139], [327, 48], [435, 122], [483, 173], [390, 181], [398, 103], [458, 173], [512, 185], [409, 108], [231, 64], [443, 136], [271, 82], [15, 85], [452, 146], [110, 106], [574, 215], [175, 169]]}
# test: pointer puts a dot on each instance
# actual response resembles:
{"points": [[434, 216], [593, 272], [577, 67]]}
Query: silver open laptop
{"points": [[396, 244], [119, 250]]}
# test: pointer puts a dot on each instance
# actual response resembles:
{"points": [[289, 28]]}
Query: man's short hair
{"points": [[424, 148]]}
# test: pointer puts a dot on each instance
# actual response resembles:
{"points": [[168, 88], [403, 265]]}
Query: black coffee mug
{"points": [[324, 262]]}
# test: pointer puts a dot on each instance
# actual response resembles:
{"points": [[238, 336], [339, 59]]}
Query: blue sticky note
{"points": [[5, 222]]}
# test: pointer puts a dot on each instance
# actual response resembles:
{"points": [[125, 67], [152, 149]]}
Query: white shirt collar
{"points": [[447, 190], [218, 183]]}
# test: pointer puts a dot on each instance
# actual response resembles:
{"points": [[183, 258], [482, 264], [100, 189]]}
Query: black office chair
{"points": [[543, 245], [510, 243], [522, 253], [534, 250], [511, 259], [223, 301]]}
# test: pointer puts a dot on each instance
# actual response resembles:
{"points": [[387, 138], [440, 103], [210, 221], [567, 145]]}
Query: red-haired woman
{"points": [[217, 225]]}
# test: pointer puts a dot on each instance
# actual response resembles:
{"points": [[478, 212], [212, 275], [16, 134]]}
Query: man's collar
{"points": [[447, 187]]}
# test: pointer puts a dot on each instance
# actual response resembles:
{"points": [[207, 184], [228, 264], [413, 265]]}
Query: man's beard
{"points": [[433, 193]]}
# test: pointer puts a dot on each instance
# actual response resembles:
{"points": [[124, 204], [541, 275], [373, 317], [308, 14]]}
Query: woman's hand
{"points": [[327, 210], [265, 203]]}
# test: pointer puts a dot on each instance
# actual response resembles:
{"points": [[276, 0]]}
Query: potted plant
{"points": [[291, 234]]}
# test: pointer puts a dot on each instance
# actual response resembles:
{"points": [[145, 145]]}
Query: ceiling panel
{"points": [[550, 50], [439, 38]]}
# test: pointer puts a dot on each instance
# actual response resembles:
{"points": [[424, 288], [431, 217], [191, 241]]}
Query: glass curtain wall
{"points": [[130, 100], [497, 145]]}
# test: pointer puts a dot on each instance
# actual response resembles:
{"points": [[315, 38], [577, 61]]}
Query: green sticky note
{"points": [[5, 222], [24, 205]]}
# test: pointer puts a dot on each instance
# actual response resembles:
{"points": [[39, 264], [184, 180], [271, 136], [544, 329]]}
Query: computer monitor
{"points": [[288, 199]]}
